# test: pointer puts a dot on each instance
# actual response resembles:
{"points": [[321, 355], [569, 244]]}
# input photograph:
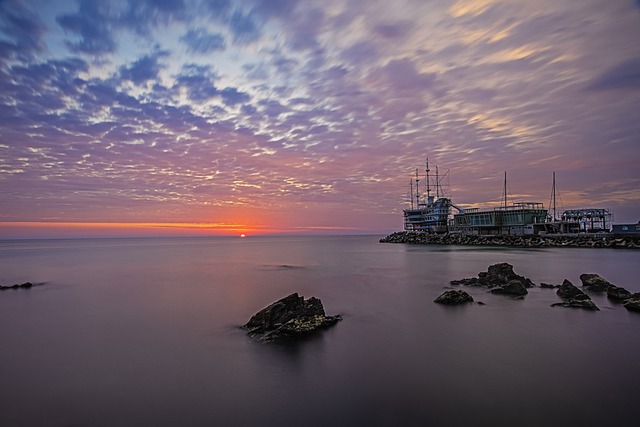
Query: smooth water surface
{"points": [[145, 332]]}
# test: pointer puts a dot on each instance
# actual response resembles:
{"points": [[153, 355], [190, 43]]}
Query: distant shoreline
{"points": [[527, 241]]}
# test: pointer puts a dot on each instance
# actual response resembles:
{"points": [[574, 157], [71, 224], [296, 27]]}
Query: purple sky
{"points": [[311, 116]]}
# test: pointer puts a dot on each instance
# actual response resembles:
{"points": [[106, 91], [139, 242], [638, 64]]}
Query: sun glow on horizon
{"points": [[119, 229]]}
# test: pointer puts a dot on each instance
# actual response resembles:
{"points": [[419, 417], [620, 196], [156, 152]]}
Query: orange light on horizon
{"points": [[127, 228]]}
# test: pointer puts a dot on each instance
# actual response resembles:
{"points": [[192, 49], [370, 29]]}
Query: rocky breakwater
{"points": [[528, 241], [290, 318]]}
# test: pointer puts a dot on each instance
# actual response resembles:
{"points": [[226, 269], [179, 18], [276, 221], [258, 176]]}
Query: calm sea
{"points": [[144, 332]]}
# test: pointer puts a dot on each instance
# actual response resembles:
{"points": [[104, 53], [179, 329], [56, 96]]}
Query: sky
{"points": [[191, 117]]}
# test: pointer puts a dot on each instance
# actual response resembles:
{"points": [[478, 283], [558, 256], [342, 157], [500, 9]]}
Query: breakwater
{"points": [[529, 241]]}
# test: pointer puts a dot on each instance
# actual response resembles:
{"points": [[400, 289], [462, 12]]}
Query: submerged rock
{"points": [[454, 297], [289, 318], [594, 282]]}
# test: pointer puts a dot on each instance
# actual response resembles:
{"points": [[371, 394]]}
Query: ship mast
{"points": [[553, 192], [411, 193], [437, 184], [505, 190], [428, 186], [417, 189]]}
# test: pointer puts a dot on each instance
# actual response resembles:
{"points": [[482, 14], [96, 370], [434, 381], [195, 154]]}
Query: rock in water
{"points": [[513, 287], [501, 279], [573, 297], [454, 297], [633, 303], [594, 282], [26, 285], [618, 293], [568, 291], [502, 273], [289, 318]]}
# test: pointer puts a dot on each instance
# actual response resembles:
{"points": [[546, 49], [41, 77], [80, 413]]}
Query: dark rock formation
{"points": [[289, 318], [633, 303], [594, 282], [527, 241], [569, 291], [501, 279], [618, 293], [25, 285], [513, 287], [454, 297], [573, 297]]}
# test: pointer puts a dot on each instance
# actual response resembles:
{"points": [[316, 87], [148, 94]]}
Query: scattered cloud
{"points": [[622, 76], [309, 114], [92, 25], [144, 69], [201, 41], [244, 27]]}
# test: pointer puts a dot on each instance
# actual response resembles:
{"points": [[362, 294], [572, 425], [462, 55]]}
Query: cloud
{"points": [[306, 29], [209, 99], [360, 52], [142, 15], [393, 31], [275, 8], [232, 96], [96, 23], [401, 77], [93, 24], [217, 8], [22, 29], [622, 76], [144, 69], [243, 27], [199, 81], [201, 41]]}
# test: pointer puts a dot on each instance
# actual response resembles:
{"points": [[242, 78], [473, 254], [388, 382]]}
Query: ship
{"points": [[428, 213], [435, 214]]}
